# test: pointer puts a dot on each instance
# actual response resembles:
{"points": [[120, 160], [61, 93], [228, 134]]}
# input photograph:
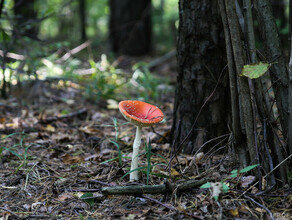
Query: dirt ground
{"points": [[58, 155]]}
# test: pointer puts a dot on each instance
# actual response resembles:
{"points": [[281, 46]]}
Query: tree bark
{"points": [[82, 14], [200, 113], [247, 117], [278, 71], [239, 138], [290, 83], [130, 27], [25, 18]]}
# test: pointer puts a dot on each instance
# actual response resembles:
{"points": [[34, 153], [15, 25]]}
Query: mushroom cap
{"points": [[140, 113]]}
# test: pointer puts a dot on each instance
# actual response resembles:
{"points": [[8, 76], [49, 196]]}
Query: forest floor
{"points": [[59, 159]]}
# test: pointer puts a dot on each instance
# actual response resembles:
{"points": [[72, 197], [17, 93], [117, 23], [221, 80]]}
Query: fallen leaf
{"points": [[112, 104], [64, 196], [234, 212], [174, 172], [68, 159], [246, 181], [50, 128], [2, 120], [199, 157]]}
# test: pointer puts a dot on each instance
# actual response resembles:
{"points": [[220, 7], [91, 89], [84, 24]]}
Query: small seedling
{"points": [[116, 143], [16, 147], [148, 169], [221, 187]]}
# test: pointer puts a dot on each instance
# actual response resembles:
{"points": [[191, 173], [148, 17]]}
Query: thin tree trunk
{"points": [[278, 71], [130, 27], [244, 92], [290, 82], [264, 114], [25, 19], [82, 6], [239, 137], [1, 7]]}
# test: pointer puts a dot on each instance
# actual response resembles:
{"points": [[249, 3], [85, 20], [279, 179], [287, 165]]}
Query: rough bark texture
{"points": [[290, 82], [130, 26], [278, 71], [244, 92], [201, 60], [239, 138]]}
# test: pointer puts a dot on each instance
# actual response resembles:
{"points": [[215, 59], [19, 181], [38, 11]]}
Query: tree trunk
{"points": [[278, 71], [239, 138], [25, 18], [82, 14], [130, 26], [201, 106]]}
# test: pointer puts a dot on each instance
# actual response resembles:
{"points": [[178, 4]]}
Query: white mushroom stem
{"points": [[136, 145]]}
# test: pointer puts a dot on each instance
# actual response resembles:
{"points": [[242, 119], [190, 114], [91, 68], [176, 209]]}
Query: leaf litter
{"points": [[56, 159]]}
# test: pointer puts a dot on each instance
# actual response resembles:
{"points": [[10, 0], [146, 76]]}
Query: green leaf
{"points": [[90, 201], [254, 71], [119, 151], [137, 169], [234, 173], [206, 185], [225, 188], [246, 169]]}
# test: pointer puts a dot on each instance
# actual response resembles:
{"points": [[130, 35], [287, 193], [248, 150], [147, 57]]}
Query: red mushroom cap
{"points": [[140, 113]]}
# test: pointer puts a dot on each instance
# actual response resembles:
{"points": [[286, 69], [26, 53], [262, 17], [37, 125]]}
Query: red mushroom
{"points": [[140, 114]]}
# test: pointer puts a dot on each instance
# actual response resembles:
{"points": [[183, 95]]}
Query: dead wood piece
{"points": [[73, 51], [4, 106], [135, 189], [18, 130], [192, 183], [14, 214], [160, 203], [154, 189], [161, 60], [70, 115]]}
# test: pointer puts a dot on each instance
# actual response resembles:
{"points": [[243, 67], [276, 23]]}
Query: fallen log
{"points": [[167, 187]]}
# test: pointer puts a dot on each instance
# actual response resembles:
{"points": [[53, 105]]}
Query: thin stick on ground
{"points": [[260, 205]]}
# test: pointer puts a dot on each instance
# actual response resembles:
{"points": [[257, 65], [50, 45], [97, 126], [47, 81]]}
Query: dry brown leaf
{"points": [[2, 120], [234, 212], [50, 128], [64, 196], [199, 157], [173, 172], [68, 159], [246, 181]]}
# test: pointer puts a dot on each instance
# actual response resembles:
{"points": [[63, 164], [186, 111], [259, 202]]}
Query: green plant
{"points": [[19, 150], [103, 83], [116, 143], [148, 169], [143, 83], [222, 187]]}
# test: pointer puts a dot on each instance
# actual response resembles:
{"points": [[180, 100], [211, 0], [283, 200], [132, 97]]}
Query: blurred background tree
{"points": [[130, 29], [45, 38]]}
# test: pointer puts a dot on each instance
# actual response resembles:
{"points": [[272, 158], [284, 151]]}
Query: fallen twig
{"points": [[152, 189], [161, 60], [70, 115], [18, 130], [73, 51], [7, 210], [260, 205], [160, 203]]}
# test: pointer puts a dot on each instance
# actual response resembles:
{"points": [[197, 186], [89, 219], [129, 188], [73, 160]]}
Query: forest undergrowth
{"points": [[65, 157]]}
